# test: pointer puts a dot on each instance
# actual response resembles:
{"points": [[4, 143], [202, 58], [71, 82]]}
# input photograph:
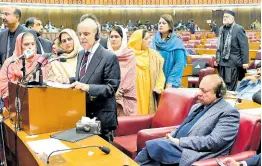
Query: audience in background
{"points": [[172, 50], [24, 41], [62, 71], [149, 72], [126, 96]]}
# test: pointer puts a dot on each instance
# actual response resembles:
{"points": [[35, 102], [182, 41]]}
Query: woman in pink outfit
{"points": [[126, 94]]}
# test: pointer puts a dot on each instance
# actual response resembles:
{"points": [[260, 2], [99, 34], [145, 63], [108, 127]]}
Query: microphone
{"points": [[59, 52], [238, 99], [61, 59], [27, 54], [104, 149], [41, 61]]}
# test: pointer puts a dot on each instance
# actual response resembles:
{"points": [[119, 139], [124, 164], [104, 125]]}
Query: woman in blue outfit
{"points": [[172, 49]]}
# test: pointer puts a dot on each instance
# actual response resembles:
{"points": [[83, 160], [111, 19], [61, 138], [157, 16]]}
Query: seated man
{"points": [[209, 130], [250, 85]]}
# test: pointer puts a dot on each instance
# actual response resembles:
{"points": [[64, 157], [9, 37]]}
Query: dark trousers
{"points": [[144, 159], [230, 76], [108, 136]]}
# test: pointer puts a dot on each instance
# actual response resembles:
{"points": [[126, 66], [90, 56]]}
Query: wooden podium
{"points": [[46, 109]]}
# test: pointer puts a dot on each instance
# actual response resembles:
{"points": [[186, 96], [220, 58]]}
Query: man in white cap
{"points": [[232, 51]]}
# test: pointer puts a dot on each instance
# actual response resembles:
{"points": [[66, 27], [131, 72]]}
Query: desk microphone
{"points": [[238, 100], [27, 54], [104, 149]]}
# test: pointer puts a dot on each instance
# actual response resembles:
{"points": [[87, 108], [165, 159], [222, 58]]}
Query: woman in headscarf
{"points": [[24, 42], [61, 71], [150, 78], [126, 97], [172, 50]]}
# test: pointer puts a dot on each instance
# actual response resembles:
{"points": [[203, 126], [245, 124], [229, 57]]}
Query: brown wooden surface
{"points": [[245, 104], [48, 109], [73, 158], [188, 70], [184, 82], [202, 51]]}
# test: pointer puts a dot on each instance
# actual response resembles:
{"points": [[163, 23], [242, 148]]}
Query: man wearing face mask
{"points": [[98, 75], [232, 51], [36, 25]]}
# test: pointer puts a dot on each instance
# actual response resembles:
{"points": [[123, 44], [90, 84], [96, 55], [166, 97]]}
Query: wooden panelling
{"points": [[70, 17], [137, 2]]}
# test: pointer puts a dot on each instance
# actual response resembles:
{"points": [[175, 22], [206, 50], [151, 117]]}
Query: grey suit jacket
{"points": [[103, 77], [212, 135]]}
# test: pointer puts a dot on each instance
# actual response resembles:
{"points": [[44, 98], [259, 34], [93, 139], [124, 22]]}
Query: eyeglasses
{"points": [[64, 40]]}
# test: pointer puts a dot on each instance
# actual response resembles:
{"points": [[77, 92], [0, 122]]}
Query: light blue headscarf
{"points": [[175, 55]]}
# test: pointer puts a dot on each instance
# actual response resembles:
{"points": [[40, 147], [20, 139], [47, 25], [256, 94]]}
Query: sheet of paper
{"points": [[57, 85], [252, 111], [47, 146]]}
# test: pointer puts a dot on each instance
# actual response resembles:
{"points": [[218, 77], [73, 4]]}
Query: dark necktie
{"points": [[83, 65]]}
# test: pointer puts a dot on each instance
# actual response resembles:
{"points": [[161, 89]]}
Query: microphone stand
{"points": [[23, 68], [40, 76], [104, 149]]}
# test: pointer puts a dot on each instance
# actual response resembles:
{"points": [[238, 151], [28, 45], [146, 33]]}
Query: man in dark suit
{"points": [[11, 17], [209, 130], [232, 51], [253, 161], [98, 74], [103, 40], [36, 25]]}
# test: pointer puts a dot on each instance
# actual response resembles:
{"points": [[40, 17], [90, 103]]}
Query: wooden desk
{"points": [[79, 157], [245, 104]]}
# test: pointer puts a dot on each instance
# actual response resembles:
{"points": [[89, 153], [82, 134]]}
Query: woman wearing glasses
{"points": [[172, 50], [61, 71]]}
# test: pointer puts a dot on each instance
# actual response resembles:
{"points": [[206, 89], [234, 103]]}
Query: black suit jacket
{"points": [[103, 41], [46, 44], [103, 78], [239, 51], [4, 38]]}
